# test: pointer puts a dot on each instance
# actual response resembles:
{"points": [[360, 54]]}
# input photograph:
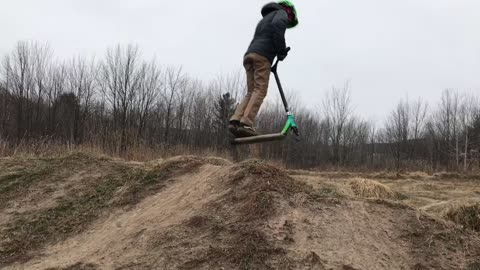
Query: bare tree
{"points": [[447, 125], [468, 112], [372, 141], [5, 109], [418, 110], [119, 83], [18, 69], [42, 58], [397, 131], [354, 141], [56, 86], [149, 86], [175, 81], [81, 82], [337, 109]]}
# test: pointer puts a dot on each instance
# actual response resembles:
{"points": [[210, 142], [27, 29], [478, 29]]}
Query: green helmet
{"points": [[289, 4]]}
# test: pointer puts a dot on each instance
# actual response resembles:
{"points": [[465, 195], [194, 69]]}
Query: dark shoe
{"points": [[233, 127], [246, 131]]}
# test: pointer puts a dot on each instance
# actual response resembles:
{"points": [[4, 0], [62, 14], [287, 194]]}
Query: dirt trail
{"points": [[210, 214]]}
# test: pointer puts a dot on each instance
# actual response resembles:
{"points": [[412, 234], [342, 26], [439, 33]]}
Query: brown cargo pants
{"points": [[258, 75]]}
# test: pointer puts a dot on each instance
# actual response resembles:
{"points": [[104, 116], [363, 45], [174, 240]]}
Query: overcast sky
{"points": [[387, 49]]}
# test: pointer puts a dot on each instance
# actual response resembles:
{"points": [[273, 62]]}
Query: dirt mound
{"points": [[87, 212], [47, 200], [365, 188]]}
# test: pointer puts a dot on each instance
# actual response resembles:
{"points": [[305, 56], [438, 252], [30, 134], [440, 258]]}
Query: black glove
{"points": [[284, 54]]}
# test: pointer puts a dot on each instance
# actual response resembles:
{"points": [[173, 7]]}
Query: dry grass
{"points": [[47, 147], [365, 188], [466, 215], [457, 176]]}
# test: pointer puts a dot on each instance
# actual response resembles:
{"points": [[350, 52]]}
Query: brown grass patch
{"points": [[466, 215], [365, 188], [456, 176]]}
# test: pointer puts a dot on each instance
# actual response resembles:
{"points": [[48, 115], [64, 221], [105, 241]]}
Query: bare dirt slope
{"points": [[88, 212]]}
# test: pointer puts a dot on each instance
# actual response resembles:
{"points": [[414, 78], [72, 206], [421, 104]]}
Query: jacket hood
{"points": [[270, 7]]}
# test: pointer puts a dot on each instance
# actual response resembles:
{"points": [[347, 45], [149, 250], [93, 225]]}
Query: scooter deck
{"points": [[259, 139]]}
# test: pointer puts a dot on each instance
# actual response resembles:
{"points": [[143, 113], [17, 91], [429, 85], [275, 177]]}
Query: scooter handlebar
{"points": [[274, 67]]}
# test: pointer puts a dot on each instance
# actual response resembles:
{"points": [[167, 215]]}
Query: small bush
{"points": [[467, 215]]}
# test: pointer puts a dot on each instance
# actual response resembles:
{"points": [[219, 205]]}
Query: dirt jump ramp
{"points": [[88, 212]]}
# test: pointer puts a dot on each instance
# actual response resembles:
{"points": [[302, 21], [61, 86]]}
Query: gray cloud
{"points": [[386, 49]]}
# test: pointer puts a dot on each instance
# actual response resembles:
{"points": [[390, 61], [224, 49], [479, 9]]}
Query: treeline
{"points": [[122, 101]]}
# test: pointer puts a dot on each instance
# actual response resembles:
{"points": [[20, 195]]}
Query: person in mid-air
{"points": [[268, 43]]}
